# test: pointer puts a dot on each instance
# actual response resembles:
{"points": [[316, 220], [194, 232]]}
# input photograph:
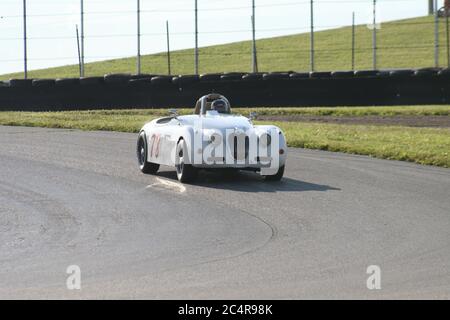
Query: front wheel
{"points": [[277, 176], [141, 152], [185, 172]]}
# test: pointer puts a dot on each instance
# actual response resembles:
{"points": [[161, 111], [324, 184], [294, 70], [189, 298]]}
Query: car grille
{"points": [[236, 141]]}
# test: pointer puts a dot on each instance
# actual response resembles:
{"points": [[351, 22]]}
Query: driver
{"points": [[220, 105]]}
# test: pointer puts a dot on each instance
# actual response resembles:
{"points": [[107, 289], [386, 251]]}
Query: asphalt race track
{"points": [[77, 198]]}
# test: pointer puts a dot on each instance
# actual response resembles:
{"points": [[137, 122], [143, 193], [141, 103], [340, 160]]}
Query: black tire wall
{"points": [[119, 91]]}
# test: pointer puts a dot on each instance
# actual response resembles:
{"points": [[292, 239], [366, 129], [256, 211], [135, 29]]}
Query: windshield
{"points": [[221, 106], [213, 102]]}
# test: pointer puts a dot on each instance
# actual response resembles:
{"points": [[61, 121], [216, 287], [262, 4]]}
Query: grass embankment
{"points": [[95, 119], [405, 43], [421, 145]]}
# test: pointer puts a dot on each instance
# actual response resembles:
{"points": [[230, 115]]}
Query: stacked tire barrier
{"points": [[339, 88]]}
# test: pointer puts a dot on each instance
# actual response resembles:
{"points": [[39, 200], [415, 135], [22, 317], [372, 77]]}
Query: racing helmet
{"points": [[221, 106]]}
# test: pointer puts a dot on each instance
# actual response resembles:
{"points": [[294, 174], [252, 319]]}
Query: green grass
{"points": [[402, 44], [353, 111], [421, 145], [114, 119]]}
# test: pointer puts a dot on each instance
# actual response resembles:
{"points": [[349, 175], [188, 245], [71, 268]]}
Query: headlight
{"points": [[265, 139], [216, 139], [212, 136]]}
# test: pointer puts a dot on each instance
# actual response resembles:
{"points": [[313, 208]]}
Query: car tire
{"points": [[276, 177], [21, 83], [141, 152], [185, 172], [91, 81], [210, 77], [43, 83]]}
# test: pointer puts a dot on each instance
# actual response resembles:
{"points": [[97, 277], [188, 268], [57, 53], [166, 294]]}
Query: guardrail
{"points": [[339, 88]]}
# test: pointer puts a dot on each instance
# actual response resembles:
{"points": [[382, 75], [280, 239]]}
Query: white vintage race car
{"points": [[211, 138]]}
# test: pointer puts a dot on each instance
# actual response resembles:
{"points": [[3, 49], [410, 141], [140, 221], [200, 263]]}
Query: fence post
{"points": [[138, 58], [82, 38], [374, 35], [312, 36], [25, 54], [196, 37], [254, 54], [430, 7], [448, 38], [353, 41], [168, 48], [436, 34], [78, 47]]}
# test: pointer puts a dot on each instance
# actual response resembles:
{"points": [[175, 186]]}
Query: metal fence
{"points": [[367, 46]]}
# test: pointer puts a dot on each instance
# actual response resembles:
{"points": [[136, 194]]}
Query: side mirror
{"points": [[173, 113], [253, 116]]}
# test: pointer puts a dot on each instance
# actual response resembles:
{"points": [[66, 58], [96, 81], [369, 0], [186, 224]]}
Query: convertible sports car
{"points": [[211, 138]]}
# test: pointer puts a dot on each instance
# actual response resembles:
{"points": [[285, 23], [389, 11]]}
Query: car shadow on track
{"points": [[248, 182]]}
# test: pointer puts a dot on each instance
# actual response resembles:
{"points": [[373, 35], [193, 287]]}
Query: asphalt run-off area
{"points": [[70, 197]]}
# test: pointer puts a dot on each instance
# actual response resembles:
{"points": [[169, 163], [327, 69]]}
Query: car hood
{"points": [[219, 122]]}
